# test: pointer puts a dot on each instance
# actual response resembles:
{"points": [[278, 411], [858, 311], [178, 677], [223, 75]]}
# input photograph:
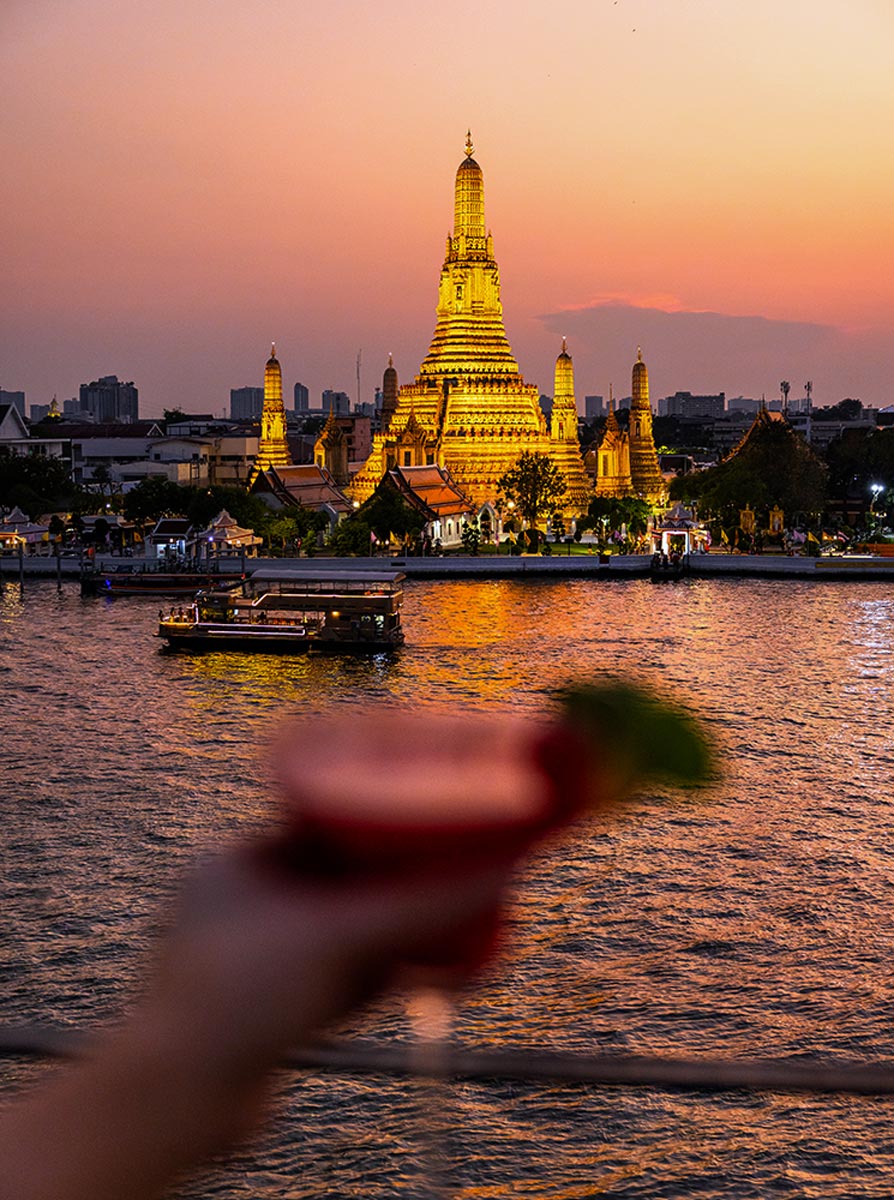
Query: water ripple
{"points": [[757, 924]]}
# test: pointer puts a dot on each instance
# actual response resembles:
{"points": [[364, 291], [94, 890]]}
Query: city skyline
{"points": [[705, 183]]}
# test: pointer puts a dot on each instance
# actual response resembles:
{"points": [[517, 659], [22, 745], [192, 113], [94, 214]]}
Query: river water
{"points": [[757, 923]]}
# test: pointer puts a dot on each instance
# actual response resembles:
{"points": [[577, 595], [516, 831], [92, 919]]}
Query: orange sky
{"points": [[186, 180]]}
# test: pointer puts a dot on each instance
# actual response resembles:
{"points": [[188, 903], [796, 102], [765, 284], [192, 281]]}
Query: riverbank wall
{"points": [[616, 567]]}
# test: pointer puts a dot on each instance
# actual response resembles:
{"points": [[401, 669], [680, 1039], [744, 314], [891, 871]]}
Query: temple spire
{"points": [[645, 472], [468, 212], [273, 448], [389, 394], [563, 420], [469, 411]]}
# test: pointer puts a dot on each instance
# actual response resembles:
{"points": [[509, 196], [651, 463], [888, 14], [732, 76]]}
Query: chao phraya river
{"points": [[760, 923]]}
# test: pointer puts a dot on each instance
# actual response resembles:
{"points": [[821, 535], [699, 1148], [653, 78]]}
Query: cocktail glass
{"points": [[402, 794]]}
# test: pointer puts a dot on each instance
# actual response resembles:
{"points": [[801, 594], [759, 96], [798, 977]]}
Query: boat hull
{"points": [[262, 641], [154, 584]]}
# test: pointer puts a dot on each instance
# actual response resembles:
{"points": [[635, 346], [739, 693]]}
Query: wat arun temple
{"points": [[469, 409]]}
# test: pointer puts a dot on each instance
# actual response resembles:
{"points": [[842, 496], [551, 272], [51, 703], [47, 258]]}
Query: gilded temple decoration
{"points": [[273, 449], [469, 409], [613, 459], [645, 473], [331, 450]]}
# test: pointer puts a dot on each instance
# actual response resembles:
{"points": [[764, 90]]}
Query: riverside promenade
{"points": [[616, 567]]}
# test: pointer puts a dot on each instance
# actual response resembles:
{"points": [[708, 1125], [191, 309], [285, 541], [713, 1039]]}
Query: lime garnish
{"points": [[645, 736]]}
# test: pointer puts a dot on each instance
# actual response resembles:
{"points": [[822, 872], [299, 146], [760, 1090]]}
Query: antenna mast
{"points": [[808, 388]]}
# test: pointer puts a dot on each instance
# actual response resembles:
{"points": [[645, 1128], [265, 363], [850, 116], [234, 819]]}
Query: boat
{"points": [[663, 570], [294, 611], [134, 580]]}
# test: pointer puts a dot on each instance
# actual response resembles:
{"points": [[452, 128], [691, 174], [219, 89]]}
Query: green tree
{"points": [[535, 486], [773, 466], [103, 483], [470, 536], [296, 526], [387, 514], [609, 514], [203, 504], [859, 458], [153, 498], [35, 482], [350, 537]]}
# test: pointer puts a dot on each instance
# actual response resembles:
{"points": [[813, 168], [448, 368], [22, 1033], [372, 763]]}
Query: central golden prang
{"points": [[469, 409]]}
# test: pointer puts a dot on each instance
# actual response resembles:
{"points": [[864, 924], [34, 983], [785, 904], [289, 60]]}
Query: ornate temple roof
{"points": [[225, 530], [309, 485], [434, 486]]}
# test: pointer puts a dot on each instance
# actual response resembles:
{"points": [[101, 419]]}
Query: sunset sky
{"points": [[187, 180]]}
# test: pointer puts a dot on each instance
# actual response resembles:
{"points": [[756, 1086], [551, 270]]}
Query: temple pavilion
{"points": [[469, 410]]}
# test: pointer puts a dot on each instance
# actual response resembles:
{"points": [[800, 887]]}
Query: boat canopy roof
{"points": [[346, 579]]}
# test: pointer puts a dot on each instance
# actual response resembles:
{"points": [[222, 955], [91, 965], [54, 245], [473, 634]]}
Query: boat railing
{"points": [[528, 1065]]}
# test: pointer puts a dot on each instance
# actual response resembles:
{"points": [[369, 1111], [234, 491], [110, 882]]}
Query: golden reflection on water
{"points": [[465, 614], [755, 922]]}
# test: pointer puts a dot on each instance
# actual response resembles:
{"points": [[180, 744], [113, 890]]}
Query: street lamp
{"points": [[876, 489]]}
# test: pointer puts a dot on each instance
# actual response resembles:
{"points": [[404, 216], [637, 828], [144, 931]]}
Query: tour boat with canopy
{"points": [[294, 611]]}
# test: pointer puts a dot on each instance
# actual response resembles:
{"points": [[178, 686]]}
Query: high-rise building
{"points": [[744, 404], [469, 409], [336, 402], [302, 398], [246, 403], [16, 399], [685, 404], [594, 407], [107, 400], [273, 449]]}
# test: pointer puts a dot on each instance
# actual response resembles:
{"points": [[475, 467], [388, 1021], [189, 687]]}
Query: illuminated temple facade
{"points": [[626, 464], [645, 473], [469, 409], [273, 449]]}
